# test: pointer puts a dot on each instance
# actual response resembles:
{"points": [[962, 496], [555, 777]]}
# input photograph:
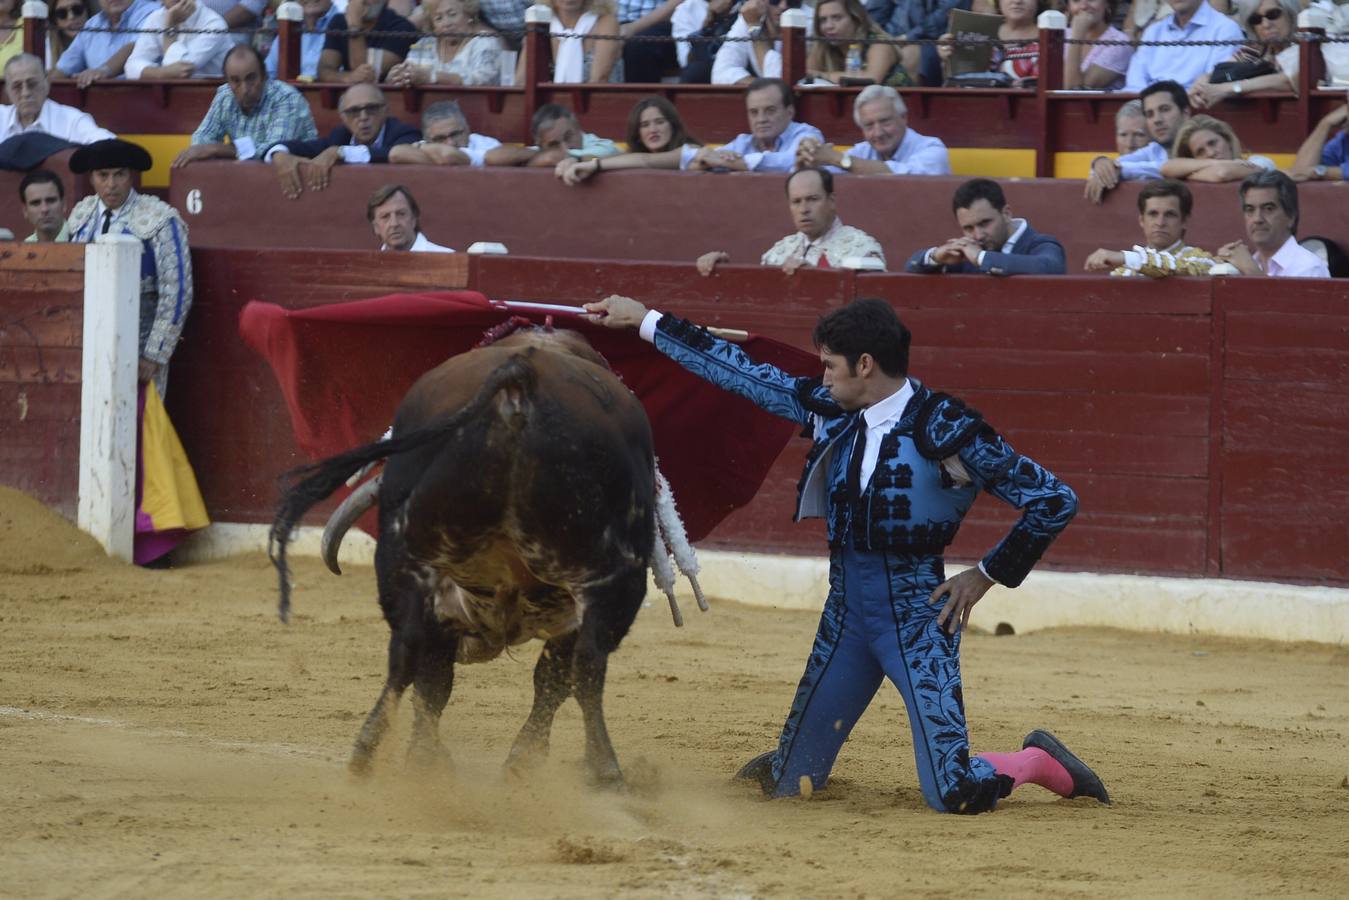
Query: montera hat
{"points": [[109, 154]]}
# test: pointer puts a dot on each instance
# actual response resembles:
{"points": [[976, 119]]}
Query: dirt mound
{"points": [[36, 541]]}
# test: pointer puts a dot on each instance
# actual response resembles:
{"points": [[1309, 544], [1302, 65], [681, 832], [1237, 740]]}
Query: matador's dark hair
{"points": [[867, 325]]}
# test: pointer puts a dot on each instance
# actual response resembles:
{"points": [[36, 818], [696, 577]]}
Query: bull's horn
{"points": [[344, 516]]}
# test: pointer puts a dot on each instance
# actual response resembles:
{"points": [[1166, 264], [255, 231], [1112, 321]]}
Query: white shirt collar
{"points": [[1016, 235], [889, 409]]}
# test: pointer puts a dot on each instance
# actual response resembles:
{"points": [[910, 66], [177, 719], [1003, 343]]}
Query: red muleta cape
{"points": [[344, 368]]}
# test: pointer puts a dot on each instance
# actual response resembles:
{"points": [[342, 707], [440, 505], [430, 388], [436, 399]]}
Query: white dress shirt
{"points": [[204, 43], [735, 60], [58, 120], [1293, 261], [917, 154]]}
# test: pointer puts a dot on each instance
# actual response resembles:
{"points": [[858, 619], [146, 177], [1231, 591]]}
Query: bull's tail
{"points": [[305, 486]]}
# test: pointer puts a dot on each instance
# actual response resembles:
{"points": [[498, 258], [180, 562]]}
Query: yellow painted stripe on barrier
{"points": [[1077, 165], [992, 163], [163, 149]]}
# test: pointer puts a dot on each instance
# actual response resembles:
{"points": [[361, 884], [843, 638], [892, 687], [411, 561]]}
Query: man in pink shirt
{"points": [[1269, 206]]}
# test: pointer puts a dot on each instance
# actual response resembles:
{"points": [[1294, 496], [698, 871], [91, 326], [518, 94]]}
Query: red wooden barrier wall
{"points": [[674, 216], [41, 335]]}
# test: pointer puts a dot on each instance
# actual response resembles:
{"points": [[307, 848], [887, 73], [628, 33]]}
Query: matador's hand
{"points": [[960, 594], [617, 312]]}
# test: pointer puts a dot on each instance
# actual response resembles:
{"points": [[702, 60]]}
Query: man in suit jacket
{"points": [[366, 135], [992, 242]]}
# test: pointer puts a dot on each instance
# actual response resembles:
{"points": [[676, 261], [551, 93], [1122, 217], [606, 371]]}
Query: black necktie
{"points": [[855, 461], [107, 221]]}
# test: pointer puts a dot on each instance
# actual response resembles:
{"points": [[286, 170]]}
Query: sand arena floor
{"points": [[162, 735]]}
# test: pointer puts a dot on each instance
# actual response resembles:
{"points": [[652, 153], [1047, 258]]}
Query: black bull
{"points": [[516, 502]]}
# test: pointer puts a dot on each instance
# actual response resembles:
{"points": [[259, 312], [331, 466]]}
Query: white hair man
{"points": [[891, 146], [27, 89]]}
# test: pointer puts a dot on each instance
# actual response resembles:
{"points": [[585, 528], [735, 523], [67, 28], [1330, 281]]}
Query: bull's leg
{"points": [[610, 609], [401, 667], [433, 681], [552, 686]]}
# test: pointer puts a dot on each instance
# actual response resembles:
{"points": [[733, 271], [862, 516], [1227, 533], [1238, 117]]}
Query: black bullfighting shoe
{"points": [[760, 769], [1086, 783]]}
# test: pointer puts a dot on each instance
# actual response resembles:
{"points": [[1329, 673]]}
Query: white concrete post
{"points": [[107, 504]]}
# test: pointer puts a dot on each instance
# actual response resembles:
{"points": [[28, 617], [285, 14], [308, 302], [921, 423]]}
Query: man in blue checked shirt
{"points": [[251, 110], [103, 46]]}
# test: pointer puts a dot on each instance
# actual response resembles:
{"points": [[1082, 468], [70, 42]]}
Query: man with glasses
{"points": [[250, 109], [366, 135], [103, 46], [446, 140], [27, 89]]}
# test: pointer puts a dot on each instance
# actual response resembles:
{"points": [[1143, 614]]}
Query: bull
{"points": [[517, 501]]}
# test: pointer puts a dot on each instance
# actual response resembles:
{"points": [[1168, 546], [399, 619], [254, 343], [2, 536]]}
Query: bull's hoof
{"points": [[427, 755], [360, 764], [606, 777], [524, 759]]}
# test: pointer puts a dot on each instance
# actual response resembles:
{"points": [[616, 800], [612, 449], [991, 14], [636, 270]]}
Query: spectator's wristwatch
{"points": [[845, 163], [1236, 88], [1319, 172]]}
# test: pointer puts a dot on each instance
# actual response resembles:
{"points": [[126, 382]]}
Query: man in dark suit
{"points": [[991, 241], [366, 135]]}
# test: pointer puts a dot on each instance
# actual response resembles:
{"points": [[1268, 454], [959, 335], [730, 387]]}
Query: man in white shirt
{"points": [[1269, 206], [395, 217], [27, 89], [185, 39], [773, 139], [446, 140], [1190, 20], [891, 146], [753, 47], [821, 239]]}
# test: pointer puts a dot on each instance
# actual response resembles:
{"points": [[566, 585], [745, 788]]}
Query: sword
{"points": [[734, 335]]}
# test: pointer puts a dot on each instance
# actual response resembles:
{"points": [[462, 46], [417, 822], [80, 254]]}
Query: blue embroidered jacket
{"points": [[913, 505]]}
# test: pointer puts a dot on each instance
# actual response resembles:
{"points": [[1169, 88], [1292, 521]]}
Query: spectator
{"points": [[842, 50], [1321, 157], [1269, 206], [645, 61], [250, 109], [916, 20], [580, 52], [700, 28], [11, 29], [184, 39], [891, 146], [240, 15], [318, 18], [1192, 20], [395, 218], [366, 135], [753, 45], [557, 136], [1018, 53], [44, 206], [1099, 67], [27, 89], [1163, 213], [506, 16], [166, 264], [445, 56], [992, 242], [364, 43], [67, 19], [446, 140], [773, 139], [102, 47], [821, 239], [1166, 108], [657, 138], [1142, 13], [1131, 128], [1208, 150], [1275, 24]]}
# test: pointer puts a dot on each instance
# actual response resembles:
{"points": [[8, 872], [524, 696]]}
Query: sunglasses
{"points": [[368, 109], [1256, 18], [71, 12]]}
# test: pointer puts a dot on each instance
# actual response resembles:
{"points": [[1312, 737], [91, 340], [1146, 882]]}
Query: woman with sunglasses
{"points": [[68, 17], [1274, 24]]}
